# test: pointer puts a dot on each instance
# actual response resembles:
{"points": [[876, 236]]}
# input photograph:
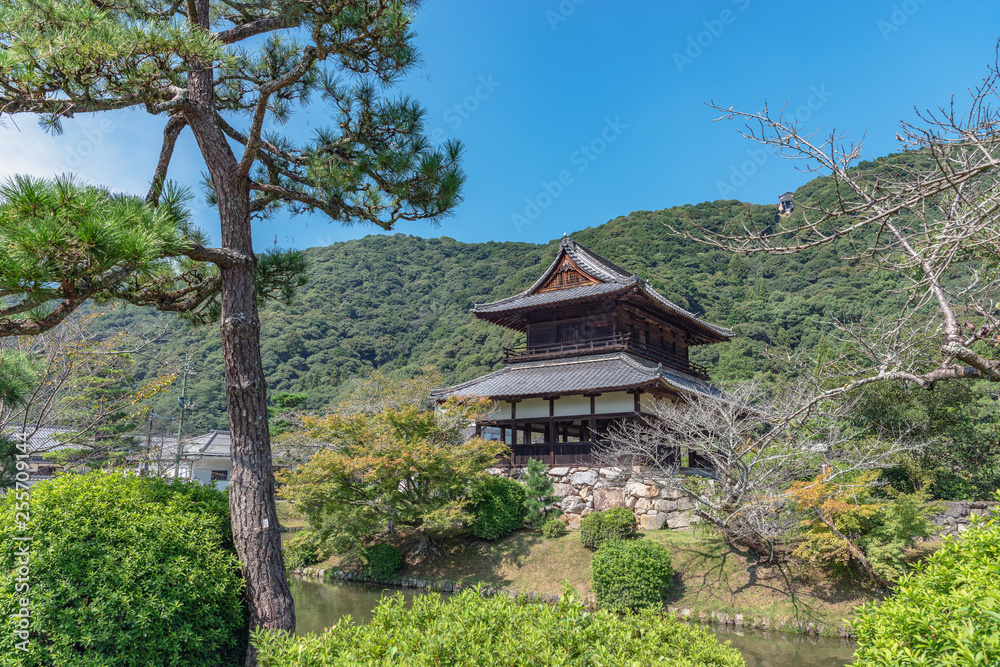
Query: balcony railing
{"points": [[615, 343]]}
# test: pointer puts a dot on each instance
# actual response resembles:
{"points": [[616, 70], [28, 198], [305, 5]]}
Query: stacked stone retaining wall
{"points": [[583, 490], [957, 514]]}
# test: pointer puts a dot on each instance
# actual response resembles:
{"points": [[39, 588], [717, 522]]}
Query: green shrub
{"points": [[468, 630], [630, 575], [553, 528], [302, 549], [497, 505], [946, 611], [382, 562], [597, 527], [123, 571]]}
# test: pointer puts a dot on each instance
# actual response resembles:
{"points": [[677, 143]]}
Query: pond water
{"points": [[318, 606]]}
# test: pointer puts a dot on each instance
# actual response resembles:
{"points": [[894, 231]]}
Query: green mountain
{"points": [[402, 302]]}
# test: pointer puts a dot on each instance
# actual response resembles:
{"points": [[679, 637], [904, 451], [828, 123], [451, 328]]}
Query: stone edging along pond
{"points": [[730, 620]]}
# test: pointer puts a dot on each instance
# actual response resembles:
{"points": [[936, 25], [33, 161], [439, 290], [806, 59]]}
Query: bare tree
{"points": [[79, 382], [928, 215], [752, 445]]}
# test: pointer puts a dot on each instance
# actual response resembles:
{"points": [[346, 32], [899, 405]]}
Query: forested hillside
{"points": [[402, 302]]}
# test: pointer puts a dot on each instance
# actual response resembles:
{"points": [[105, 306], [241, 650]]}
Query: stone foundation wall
{"points": [[955, 518], [583, 490]]}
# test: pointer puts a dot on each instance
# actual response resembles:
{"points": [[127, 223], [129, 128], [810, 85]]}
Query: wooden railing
{"points": [[560, 453], [615, 343]]}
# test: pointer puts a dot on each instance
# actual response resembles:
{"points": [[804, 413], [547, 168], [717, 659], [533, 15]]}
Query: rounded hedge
{"points": [[944, 612], [381, 562], [497, 507], [631, 575], [121, 571], [614, 523], [553, 528], [468, 630]]}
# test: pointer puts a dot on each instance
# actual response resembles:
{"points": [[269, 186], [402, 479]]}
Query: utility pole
{"points": [[182, 403], [146, 468]]}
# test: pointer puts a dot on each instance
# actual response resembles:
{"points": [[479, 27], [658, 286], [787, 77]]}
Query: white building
{"points": [[206, 458]]}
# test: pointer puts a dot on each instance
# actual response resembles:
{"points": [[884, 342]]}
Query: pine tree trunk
{"points": [[251, 489]]}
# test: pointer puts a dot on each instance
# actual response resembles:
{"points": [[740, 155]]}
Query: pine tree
{"points": [[225, 70], [539, 490]]}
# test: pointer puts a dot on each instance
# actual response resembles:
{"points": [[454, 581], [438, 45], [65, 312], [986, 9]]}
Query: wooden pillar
{"points": [[513, 433], [552, 431], [552, 442]]}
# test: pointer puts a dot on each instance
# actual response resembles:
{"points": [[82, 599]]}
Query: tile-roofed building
{"points": [[206, 458], [601, 345]]}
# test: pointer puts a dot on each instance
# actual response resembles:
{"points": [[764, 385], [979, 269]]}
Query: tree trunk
{"points": [[251, 489]]}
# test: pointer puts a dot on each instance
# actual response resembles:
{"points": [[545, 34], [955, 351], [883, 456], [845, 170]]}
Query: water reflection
{"points": [[318, 606], [780, 649]]}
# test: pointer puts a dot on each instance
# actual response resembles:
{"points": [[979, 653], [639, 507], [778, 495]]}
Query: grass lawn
{"points": [[711, 576]]}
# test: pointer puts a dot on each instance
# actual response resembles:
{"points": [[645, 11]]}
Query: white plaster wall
{"points": [[616, 401], [572, 405], [647, 403], [533, 407], [502, 411]]}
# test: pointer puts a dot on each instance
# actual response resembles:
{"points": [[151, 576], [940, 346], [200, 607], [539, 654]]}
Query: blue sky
{"points": [[576, 111]]}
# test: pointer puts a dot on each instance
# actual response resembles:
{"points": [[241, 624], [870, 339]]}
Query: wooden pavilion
{"points": [[601, 345]]}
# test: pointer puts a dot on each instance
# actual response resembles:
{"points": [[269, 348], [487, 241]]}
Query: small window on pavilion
{"points": [[220, 475]]}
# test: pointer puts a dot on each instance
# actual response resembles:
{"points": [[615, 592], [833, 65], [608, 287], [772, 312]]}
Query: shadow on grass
{"points": [[713, 575], [477, 561]]}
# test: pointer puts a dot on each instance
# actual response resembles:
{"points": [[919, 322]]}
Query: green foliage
{"points": [[946, 611], [282, 403], [881, 530], [18, 373], [614, 523], [381, 562], [400, 468], [538, 492], [553, 528], [960, 421], [497, 505], [468, 630], [123, 571], [630, 575], [302, 550]]}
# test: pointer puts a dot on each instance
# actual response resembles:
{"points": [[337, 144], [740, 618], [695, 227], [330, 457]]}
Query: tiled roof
{"points": [[42, 438], [613, 279], [213, 443], [526, 299], [578, 375]]}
